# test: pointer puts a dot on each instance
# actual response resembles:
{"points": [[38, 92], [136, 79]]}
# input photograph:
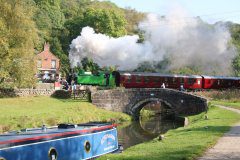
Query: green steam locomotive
{"points": [[98, 79]]}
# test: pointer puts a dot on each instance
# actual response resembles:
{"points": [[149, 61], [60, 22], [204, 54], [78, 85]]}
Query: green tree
{"points": [[186, 70], [236, 65], [18, 37], [235, 32], [145, 66], [89, 65], [50, 22], [102, 20], [133, 18]]}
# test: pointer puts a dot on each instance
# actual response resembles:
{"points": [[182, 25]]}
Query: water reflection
{"points": [[144, 130]]}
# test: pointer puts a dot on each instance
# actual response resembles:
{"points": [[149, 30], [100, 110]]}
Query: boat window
{"points": [[52, 154], [87, 146]]}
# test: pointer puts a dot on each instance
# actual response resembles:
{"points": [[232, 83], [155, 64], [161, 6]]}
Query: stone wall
{"points": [[45, 86], [33, 92], [25, 92], [131, 101]]}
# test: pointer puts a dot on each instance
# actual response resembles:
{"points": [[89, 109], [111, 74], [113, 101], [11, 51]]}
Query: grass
{"points": [[179, 144], [228, 98], [18, 113], [228, 103], [183, 143]]}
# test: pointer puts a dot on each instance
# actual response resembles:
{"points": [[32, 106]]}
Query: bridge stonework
{"points": [[131, 101]]}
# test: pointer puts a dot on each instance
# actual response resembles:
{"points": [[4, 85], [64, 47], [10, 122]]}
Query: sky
{"points": [[209, 10]]}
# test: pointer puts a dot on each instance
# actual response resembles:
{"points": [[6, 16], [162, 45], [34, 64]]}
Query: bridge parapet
{"points": [[131, 101]]}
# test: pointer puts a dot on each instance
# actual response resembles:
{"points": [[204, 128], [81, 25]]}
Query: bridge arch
{"points": [[135, 109], [131, 101]]}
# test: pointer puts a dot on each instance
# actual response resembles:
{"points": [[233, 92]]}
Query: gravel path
{"points": [[227, 147]]}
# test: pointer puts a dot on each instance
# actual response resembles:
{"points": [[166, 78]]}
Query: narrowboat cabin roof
{"points": [[65, 141], [55, 132]]}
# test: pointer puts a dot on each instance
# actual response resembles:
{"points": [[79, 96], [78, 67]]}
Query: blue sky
{"points": [[209, 10]]}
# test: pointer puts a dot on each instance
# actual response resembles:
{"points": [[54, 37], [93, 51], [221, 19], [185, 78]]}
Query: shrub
{"points": [[62, 94], [7, 92]]}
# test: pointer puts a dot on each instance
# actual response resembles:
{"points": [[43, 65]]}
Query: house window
{"points": [[39, 63], [53, 64]]}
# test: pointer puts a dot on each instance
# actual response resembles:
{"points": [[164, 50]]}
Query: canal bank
{"points": [[29, 112], [227, 147], [187, 142]]}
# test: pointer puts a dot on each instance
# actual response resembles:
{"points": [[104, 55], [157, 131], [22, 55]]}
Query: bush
{"points": [[62, 94], [7, 92]]}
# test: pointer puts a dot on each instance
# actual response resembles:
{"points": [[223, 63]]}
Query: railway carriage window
{"points": [[146, 79], [156, 80], [198, 82], [218, 82], [181, 80], [128, 79], [166, 79], [174, 80], [138, 79], [191, 81]]}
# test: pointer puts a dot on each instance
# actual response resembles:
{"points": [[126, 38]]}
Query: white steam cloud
{"points": [[185, 41]]}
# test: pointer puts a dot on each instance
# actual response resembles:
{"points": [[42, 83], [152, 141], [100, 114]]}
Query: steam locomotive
{"points": [[155, 80]]}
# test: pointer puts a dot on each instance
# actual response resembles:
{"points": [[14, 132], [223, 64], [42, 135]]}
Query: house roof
{"points": [[47, 53]]}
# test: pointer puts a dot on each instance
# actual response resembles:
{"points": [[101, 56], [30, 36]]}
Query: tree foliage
{"points": [[235, 31], [89, 65], [25, 25], [18, 37]]}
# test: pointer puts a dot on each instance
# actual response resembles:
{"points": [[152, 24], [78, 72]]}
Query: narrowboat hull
{"points": [[60, 144]]}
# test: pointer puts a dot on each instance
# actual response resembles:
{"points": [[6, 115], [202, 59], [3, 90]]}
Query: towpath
{"points": [[227, 147]]}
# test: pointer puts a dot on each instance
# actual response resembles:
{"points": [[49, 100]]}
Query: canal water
{"points": [[146, 129], [143, 131]]}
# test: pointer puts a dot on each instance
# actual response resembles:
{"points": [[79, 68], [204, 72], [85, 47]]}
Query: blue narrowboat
{"points": [[62, 142]]}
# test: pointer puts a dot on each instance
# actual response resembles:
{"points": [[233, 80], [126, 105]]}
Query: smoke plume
{"points": [[183, 40]]}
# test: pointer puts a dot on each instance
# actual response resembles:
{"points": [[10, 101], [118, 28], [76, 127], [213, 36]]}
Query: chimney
{"points": [[46, 46]]}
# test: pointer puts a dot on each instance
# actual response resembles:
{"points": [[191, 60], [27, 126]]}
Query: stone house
{"points": [[48, 65]]}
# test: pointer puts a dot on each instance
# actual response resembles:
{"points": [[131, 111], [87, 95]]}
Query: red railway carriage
{"points": [[212, 82], [155, 80]]}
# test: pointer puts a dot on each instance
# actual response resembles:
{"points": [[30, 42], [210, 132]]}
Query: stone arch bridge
{"points": [[131, 101]]}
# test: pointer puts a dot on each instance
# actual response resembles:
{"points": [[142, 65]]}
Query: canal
{"points": [[149, 126]]}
